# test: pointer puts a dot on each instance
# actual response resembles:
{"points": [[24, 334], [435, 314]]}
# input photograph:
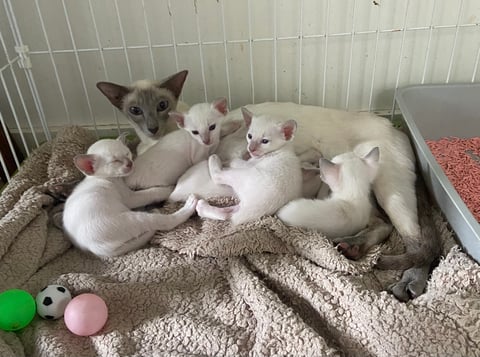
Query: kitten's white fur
{"points": [[264, 183], [197, 180], [164, 162], [333, 132], [348, 209], [97, 215]]}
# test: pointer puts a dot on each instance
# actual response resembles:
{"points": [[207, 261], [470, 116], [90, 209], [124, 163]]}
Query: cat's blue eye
{"points": [[249, 136], [212, 127], [135, 110], [163, 105], [265, 141], [195, 132]]}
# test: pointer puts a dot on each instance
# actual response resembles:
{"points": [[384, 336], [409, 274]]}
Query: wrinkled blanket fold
{"points": [[209, 289]]}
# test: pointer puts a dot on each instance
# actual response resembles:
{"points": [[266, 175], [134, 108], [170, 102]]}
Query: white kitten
{"points": [[197, 180], [163, 163], [348, 209], [98, 216], [264, 183]]}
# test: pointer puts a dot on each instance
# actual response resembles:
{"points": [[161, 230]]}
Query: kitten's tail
{"points": [[422, 250]]}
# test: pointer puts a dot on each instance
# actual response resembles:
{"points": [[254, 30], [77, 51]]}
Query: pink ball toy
{"points": [[86, 314]]}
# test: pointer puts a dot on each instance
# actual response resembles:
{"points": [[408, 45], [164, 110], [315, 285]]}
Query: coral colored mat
{"points": [[460, 160]]}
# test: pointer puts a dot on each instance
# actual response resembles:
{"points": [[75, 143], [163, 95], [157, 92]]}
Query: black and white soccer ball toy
{"points": [[52, 301]]}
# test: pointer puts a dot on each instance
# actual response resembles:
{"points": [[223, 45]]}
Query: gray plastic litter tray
{"points": [[431, 112]]}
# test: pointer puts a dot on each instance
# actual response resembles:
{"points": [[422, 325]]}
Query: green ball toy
{"points": [[17, 309]]}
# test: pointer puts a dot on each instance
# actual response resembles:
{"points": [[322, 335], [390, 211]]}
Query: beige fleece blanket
{"points": [[206, 289]]}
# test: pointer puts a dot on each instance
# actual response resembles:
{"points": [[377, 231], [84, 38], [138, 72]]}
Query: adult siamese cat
{"points": [[146, 105], [333, 132]]}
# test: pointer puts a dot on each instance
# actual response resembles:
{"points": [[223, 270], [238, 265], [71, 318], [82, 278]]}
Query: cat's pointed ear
{"points": [[247, 116], [288, 129], [114, 92], [372, 157], [85, 163], [221, 105], [178, 117], [329, 172], [175, 82]]}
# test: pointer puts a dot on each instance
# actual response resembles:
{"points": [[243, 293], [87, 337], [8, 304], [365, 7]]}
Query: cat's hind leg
{"points": [[150, 195], [205, 210], [131, 230], [223, 176], [170, 221], [354, 247]]}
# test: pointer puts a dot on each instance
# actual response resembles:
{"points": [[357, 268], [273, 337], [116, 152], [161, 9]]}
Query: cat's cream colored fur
{"points": [[264, 183], [98, 215], [169, 158], [348, 208], [333, 132]]}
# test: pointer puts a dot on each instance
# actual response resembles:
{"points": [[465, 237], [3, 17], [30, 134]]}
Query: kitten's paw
{"points": [[214, 166], [202, 207], [191, 202], [349, 251]]}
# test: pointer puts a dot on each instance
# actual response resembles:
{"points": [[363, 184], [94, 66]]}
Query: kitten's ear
{"points": [[230, 127], [178, 117], [85, 163], [372, 157], [288, 129], [175, 82], [114, 92], [247, 116], [329, 172], [221, 105], [123, 138]]}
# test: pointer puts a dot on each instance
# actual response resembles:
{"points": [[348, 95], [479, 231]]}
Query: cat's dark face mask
{"points": [[146, 104]]}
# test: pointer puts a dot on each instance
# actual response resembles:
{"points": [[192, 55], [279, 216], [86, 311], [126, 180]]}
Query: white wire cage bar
{"points": [[350, 54]]}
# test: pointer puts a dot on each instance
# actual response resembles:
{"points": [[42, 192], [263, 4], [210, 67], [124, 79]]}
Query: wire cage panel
{"points": [[350, 54]]}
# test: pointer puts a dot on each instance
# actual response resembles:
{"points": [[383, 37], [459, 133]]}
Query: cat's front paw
{"points": [[202, 207], [191, 202], [214, 165]]}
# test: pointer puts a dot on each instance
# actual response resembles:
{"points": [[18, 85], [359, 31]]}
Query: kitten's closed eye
{"points": [[162, 106], [135, 110], [212, 127]]}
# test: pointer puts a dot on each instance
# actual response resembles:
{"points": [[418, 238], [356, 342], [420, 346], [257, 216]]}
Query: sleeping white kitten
{"points": [[97, 215], [264, 183], [348, 208], [198, 137]]}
